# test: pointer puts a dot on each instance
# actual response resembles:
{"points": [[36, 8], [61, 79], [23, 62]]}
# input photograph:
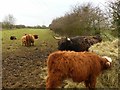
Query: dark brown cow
{"points": [[80, 66], [13, 38], [77, 43]]}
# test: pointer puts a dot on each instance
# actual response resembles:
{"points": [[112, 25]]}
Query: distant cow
{"points": [[13, 38], [24, 42], [79, 66], [35, 36], [28, 40], [78, 43]]}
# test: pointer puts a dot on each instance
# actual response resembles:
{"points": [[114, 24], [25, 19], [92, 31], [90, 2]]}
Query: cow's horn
{"points": [[57, 38]]}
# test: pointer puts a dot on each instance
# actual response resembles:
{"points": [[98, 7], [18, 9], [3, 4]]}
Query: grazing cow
{"points": [[24, 42], [27, 40], [80, 66], [35, 36], [78, 43], [30, 39], [13, 38]]}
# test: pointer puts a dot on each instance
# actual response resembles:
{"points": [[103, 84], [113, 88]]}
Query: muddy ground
{"points": [[25, 67]]}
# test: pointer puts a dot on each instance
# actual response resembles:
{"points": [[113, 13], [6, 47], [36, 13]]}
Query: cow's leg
{"points": [[25, 43], [29, 43], [87, 84], [92, 83], [32, 44], [53, 81]]}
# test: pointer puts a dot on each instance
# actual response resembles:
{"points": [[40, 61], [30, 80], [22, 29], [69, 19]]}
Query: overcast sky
{"points": [[39, 12]]}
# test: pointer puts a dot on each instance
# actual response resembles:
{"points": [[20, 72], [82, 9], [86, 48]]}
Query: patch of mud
{"points": [[25, 67]]}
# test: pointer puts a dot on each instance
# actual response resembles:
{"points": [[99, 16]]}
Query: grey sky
{"points": [[39, 12]]}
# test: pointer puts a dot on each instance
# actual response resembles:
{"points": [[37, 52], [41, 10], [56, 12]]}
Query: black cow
{"points": [[78, 43], [13, 38]]}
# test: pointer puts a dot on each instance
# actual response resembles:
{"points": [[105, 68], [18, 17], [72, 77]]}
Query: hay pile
{"points": [[109, 79], [106, 48]]}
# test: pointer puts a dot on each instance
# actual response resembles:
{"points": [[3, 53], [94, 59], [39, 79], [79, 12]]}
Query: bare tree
{"points": [[114, 8], [8, 22], [81, 20]]}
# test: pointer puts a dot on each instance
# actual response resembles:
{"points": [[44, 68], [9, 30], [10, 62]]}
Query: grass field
{"points": [[25, 67], [45, 37], [44, 34]]}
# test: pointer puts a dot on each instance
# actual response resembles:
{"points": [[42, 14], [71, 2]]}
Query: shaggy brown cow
{"points": [[27, 40], [80, 66], [30, 39], [23, 39]]}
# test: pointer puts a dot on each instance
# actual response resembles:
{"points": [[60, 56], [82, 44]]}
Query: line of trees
{"points": [[82, 20], [115, 11], [32, 27], [86, 20], [9, 23]]}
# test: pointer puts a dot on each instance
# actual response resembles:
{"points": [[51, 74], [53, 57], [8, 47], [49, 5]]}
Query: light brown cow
{"points": [[28, 40], [23, 39]]}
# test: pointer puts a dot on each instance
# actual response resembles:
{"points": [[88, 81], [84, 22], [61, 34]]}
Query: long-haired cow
{"points": [[80, 66], [28, 39], [77, 43], [23, 39]]}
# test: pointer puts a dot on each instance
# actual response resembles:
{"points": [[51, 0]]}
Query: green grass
{"points": [[45, 35], [44, 44]]}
